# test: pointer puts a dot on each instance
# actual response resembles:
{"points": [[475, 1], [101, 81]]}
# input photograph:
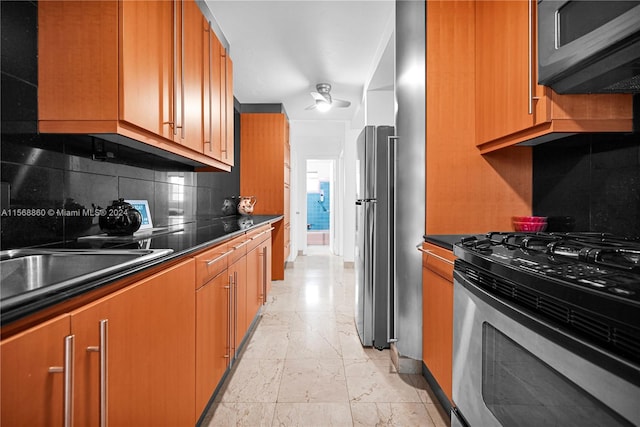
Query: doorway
{"points": [[319, 202]]}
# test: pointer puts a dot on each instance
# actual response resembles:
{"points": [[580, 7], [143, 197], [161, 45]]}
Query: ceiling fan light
{"points": [[322, 105]]}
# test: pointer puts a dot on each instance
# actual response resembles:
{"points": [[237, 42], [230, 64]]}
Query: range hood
{"points": [[589, 46]]}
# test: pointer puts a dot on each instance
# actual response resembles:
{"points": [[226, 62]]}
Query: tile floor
{"points": [[304, 364]]}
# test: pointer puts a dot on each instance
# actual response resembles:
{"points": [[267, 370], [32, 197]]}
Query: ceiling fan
{"points": [[324, 102]]}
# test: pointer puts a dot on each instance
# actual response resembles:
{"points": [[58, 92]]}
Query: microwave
{"points": [[589, 46]]}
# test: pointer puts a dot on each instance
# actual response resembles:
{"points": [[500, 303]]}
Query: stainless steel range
{"points": [[547, 330]]}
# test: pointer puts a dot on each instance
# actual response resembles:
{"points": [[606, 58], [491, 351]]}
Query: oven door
{"points": [[511, 369]]}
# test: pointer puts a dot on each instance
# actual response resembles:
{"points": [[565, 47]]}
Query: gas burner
{"points": [[589, 247], [557, 275]]}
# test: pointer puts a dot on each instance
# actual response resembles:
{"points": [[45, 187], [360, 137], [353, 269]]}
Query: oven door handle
{"points": [[553, 332]]}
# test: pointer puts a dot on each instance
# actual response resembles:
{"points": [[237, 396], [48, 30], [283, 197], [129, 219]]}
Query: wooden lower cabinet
{"points": [[266, 256], [238, 276], [437, 316], [30, 394], [255, 285], [145, 335], [166, 346], [150, 349], [213, 345], [258, 276]]}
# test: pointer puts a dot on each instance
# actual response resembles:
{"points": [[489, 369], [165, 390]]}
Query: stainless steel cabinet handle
{"points": [[241, 244], [235, 310], [531, 83], [67, 369], [433, 254], [223, 107], [182, 70], [262, 296], [208, 31], [228, 288], [102, 349], [175, 60], [218, 258]]}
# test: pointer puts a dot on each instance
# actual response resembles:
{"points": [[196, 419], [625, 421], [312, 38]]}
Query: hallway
{"points": [[304, 364]]}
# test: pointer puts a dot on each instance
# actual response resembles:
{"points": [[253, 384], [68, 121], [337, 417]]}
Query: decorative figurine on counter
{"points": [[245, 206], [120, 219]]}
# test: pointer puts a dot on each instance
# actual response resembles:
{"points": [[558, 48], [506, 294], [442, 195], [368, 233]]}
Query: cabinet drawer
{"points": [[438, 260], [211, 263], [237, 248], [258, 236]]}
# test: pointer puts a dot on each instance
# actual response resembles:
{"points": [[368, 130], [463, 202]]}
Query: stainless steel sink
{"points": [[29, 273]]}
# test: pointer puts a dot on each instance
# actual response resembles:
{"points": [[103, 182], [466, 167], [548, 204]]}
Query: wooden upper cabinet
{"points": [[124, 68], [264, 141], [189, 68], [213, 94], [227, 115], [77, 64], [262, 157], [146, 66], [510, 106]]}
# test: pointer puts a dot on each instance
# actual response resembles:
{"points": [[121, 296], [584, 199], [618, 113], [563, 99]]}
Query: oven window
{"points": [[578, 18], [521, 390]]}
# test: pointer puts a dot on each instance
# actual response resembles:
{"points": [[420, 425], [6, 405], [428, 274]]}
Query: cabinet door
{"points": [[438, 328], [266, 259], [213, 95], [189, 70], [437, 314], [238, 273], [505, 72], [150, 353], [147, 69], [212, 337], [30, 394], [255, 283], [226, 108], [76, 81]]}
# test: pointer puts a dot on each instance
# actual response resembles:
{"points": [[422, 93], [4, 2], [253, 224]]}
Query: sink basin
{"points": [[29, 273]]}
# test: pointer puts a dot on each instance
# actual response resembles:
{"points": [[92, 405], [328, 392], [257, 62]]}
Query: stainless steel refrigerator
{"points": [[374, 235]]}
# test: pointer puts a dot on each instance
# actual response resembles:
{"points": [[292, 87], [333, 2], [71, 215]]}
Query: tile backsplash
{"points": [[37, 182], [594, 178]]}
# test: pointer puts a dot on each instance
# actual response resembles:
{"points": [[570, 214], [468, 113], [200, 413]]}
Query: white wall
{"points": [[380, 106], [311, 140]]}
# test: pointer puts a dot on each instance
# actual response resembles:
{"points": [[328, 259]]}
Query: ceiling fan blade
{"points": [[340, 103], [311, 107], [318, 96]]}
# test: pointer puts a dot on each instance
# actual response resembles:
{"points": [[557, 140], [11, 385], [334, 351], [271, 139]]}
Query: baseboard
{"points": [[435, 387], [403, 364]]}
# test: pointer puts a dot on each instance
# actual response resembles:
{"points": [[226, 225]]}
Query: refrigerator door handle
{"points": [[392, 335]]}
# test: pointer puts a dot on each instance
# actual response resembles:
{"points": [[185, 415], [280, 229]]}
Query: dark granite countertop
{"points": [[445, 241], [183, 239]]}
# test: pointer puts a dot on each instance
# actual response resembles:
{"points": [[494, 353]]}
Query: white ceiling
{"points": [[282, 49]]}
